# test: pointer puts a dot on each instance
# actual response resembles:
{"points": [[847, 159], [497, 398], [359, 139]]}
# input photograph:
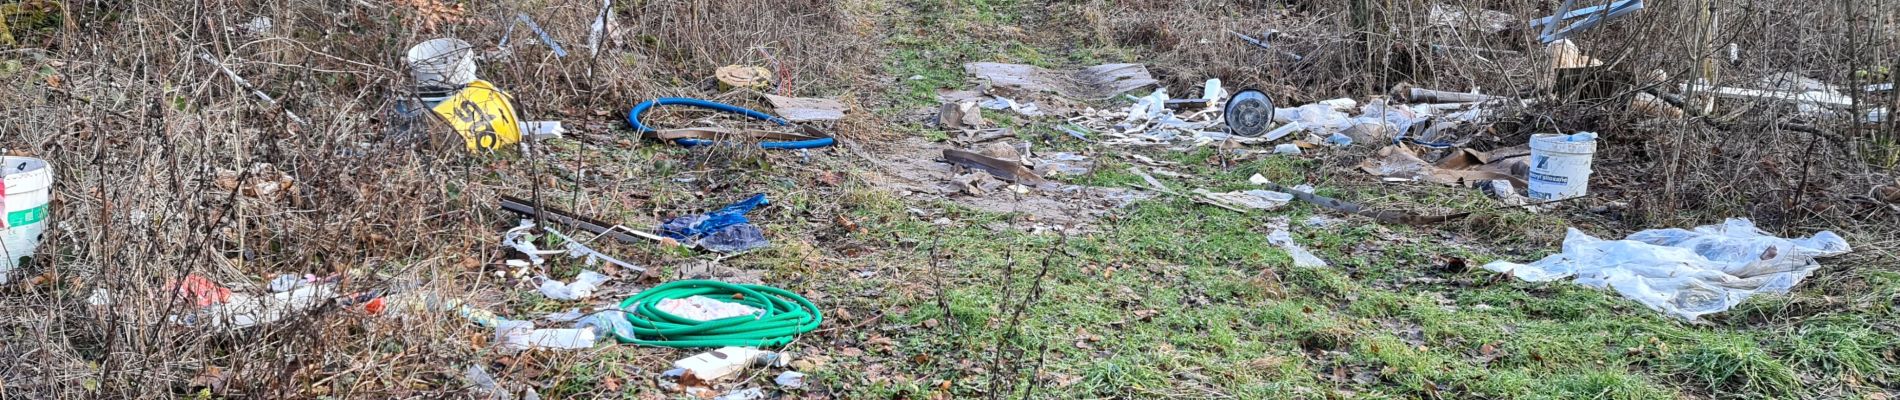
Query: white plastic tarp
{"points": [[1685, 273]]}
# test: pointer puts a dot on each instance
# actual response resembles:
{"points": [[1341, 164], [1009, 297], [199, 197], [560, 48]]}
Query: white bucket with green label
{"points": [[28, 187]]}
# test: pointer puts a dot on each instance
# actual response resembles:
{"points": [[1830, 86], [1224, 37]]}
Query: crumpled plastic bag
{"points": [[725, 230], [1685, 273], [582, 287], [702, 308], [1323, 118]]}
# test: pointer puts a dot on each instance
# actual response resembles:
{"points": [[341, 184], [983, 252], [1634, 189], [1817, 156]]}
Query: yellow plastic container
{"points": [[483, 115]]}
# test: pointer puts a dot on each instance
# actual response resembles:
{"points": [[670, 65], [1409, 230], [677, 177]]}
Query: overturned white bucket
{"points": [[442, 64], [28, 188], [1560, 165]]}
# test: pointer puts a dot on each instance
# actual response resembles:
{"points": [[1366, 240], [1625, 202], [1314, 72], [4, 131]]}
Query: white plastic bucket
{"points": [[29, 186], [445, 63], [1560, 165]]}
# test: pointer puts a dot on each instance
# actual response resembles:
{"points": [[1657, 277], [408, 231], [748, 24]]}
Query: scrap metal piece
{"points": [[1005, 169], [616, 232], [1249, 114], [1596, 15], [1418, 95], [549, 40]]}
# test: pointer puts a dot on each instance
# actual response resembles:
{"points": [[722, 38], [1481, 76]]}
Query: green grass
{"points": [[1172, 299], [1730, 363]]}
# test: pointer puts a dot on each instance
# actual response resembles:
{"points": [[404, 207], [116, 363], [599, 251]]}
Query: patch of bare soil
{"points": [[914, 168]]}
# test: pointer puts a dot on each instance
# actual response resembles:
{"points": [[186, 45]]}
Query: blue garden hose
{"points": [[633, 117]]}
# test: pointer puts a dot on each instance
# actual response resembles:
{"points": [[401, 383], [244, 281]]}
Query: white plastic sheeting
{"points": [[1685, 273], [702, 308]]}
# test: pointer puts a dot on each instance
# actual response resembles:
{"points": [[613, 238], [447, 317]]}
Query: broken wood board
{"points": [[802, 109], [718, 133], [1092, 83], [1006, 169]]}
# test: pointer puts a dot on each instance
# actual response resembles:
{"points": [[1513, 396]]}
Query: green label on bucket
{"points": [[27, 217]]}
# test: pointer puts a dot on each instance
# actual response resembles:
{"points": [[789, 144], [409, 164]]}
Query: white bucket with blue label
{"points": [[28, 188], [1560, 165]]}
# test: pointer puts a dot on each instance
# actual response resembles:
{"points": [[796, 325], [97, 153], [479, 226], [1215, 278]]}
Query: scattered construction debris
{"points": [[1460, 167]]}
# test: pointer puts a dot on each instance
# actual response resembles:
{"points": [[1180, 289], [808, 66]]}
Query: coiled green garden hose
{"points": [[784, 316]]}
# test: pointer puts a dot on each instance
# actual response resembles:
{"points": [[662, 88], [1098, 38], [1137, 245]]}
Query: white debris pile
{"points": [[702, 308], [522, 239], [1685, 273], [1151, 121]]}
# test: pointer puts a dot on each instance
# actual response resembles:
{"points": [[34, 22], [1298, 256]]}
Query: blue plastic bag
{"points": [[723, 230]]}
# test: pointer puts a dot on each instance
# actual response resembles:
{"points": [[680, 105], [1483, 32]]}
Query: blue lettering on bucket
{"points": [[1557, 179]]}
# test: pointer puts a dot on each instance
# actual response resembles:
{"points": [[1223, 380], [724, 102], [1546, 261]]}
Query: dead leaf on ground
{"points": [[211, 377], [1148, 314]]}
